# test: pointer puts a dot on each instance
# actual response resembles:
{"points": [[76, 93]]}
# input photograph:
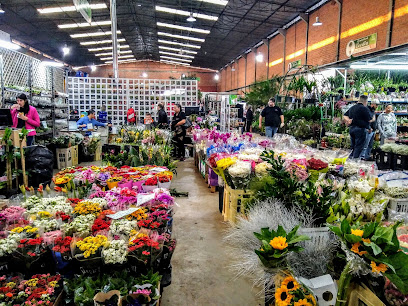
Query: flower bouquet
{"points": [[292, 293], [126, 183], [100, 225], [81, 226], [11, 214], [62, 255], [150, 184], [143, 253], [88, 253], [102, 179], [316, 167], [115, 252], [122, 227], [277, 245], [87, 207], [239, 174], [40, 289], [164, 182], [32, 256], [371, 247]]}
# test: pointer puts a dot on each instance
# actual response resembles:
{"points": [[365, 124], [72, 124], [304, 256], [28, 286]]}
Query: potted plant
{"points": [[150, 184]]}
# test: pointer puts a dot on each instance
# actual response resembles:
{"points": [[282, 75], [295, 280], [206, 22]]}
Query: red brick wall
{"points": [[250, 68], [157, 70], [362, 18], [295, 43], [261, 66], [399, 31], [241, 72], [234, 76], [322, 48], [276, 45]]}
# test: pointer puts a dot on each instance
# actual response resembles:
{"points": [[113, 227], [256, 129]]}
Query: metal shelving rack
{"points": [[26, 74], [120, 94]]}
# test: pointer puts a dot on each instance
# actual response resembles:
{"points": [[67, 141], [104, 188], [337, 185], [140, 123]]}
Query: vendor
{"points": [[89, 119], [103, 115], [25, 115]]}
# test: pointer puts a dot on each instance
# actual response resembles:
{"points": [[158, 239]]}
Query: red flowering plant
{"points": [[151, 181], [40, 289], [62, 245], [100, 225], [317, 164], [149, 224], [144, 248], [164, 179], [74, 200], [104, 213], [31, 248], [62, 216]]}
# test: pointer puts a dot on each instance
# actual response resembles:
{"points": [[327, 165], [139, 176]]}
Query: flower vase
{"points": [[165, 185], [148, 188], [112, 185]]}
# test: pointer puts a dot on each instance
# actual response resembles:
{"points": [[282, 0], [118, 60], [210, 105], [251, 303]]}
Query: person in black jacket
{"points": [[162, 120], [249, 119], [358, 118], [179, 119], [369, 142]]}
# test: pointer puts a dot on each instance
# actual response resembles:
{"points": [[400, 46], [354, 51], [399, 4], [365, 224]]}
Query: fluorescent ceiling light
{"points": [[175, 63], [92, 34], [181, 36], [9, 45], [124, 61], [176, 59], [107, 48], [60, 9], [379, 67], [110, 53], [219, 2], [100, 42], [84, 24], [190, 29], [169, 42], [52, 64], [120, 56], [177, 50], [185, 13], [176, 54], [1, 10]]}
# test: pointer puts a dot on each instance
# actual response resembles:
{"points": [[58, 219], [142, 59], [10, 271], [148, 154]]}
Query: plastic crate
{"points": [[233, 200], [400, 162], [64, 158], [74, 155], [384, 160], [318, 236]]}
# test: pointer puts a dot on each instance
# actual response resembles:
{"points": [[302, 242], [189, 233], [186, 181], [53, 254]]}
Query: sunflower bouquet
{"points": [[371, 248], [276, 245], [292, 293]]}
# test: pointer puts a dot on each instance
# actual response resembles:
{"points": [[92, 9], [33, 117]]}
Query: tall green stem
{"points": [[344, 283]]}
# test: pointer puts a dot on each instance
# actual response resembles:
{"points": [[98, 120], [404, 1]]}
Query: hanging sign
{"points": [[294, 64], [362, 44], [84, 8]]}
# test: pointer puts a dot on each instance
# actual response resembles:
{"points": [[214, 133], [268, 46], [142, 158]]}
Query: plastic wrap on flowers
{"points": [[239, 174]]}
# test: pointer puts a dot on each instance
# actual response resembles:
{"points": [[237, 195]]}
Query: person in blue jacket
{"points": [[90, 119]]}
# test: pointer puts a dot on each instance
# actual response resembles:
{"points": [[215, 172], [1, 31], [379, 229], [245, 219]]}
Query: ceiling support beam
{"points": [[266, 42], [340, 3], [114, 27], [390, 23], [305, 18], [283, 33]]}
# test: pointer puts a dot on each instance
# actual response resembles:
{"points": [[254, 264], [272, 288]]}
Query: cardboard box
{"points": [[15, 137]]}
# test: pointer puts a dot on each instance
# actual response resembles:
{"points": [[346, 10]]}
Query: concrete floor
{"points": [[201, 275]]}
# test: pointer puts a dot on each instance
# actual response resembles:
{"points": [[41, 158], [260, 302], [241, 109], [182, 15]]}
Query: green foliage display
{"points": [[261, 92], [308, 113]]}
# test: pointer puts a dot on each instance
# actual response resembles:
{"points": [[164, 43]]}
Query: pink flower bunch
{"points": [[13, 213], [87, 175], [298, 171], [146, 292]]}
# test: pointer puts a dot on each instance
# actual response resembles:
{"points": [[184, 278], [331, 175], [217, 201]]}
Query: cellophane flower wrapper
{"points": [[50, 237], [240, 174], [115, 252]]}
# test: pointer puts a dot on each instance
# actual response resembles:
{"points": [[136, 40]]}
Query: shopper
{"points": [[369, 142], [387, 124], [88, 122], [273, 118], [163, 121], [249, 119], [25, 115], [148, 120], [177, 126], [358, 118]]}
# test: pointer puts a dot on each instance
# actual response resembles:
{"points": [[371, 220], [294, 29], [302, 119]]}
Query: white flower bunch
{"points": [[100, 201], [9, 245], [261, 169], [240, 169], [51, 205], [254, 157], [122, 226], [46, 224], [81, 225], [31, 202], [115, 252], [361, 186]]}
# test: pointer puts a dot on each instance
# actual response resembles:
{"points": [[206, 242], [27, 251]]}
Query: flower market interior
{"points": [[203, 152]]}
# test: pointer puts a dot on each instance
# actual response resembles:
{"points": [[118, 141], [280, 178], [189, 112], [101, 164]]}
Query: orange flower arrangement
{"points": [[279, 243]]}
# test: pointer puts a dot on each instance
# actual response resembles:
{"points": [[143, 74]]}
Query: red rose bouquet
{"points": [[317, 164]]}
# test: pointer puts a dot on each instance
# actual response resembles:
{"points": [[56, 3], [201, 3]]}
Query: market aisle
{"points": [[200, 263]]}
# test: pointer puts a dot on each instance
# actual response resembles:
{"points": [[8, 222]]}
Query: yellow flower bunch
{"points": [[44, 214], [53, 283], [226, 162], [90, 245], [87, 207], [28, 229], [139, 214], [32, 282], [118, 140], [134, 234], [11, 284], [61, 180], [169, 174], [95, 168]]}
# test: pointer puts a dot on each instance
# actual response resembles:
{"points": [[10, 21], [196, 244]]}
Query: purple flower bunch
{"points": [[103, 177], [164, 198]]}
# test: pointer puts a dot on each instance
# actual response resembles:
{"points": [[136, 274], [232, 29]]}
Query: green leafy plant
{"points": [[261, 92], [378, 247], [276, 245]]}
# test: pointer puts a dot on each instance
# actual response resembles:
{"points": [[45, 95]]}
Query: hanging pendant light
{"points": [[191, 18], [318, 22]]}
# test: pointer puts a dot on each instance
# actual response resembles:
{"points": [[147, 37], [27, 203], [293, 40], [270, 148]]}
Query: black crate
{"points": [[384, 160], [400, 162]]}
